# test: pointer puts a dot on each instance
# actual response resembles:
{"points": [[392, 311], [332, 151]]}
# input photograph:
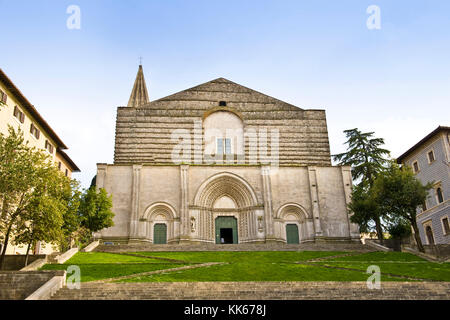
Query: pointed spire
{"points": [[139, 95]]}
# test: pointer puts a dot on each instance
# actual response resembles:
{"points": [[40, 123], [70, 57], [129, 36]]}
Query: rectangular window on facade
{"points": [[67, 172], [19, 114], [415, 166], [446, 225], [49, 146], [59, 165], [35, 131], [439, 195], [223, 146], [431, 156], [3, 97]]}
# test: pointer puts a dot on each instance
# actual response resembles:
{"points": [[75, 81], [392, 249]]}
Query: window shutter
{"points": [[16, 111], [38, 134], [22, 117], [31, 129], [3, 96]]}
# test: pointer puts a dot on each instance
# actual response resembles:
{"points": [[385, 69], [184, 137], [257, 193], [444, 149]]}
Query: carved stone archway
{"points": [[159, 213], [225, 194], [293, 213]]}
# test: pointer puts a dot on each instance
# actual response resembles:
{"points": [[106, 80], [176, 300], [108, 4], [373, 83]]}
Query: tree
{"points": [[367, 160], [95, 210], [399, 193], [30, 192], [366, 210], [71, 219], [399, 229], [364, 155]]}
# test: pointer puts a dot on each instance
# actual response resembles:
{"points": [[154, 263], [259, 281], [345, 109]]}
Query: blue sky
{"points": [[314, 54]]}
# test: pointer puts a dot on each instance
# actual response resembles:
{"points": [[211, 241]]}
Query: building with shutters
{"points": [[222, 163], [430, 159], [18, 112]]}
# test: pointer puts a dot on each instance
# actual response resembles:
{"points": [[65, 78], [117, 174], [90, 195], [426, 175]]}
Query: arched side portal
{"points": [[157, 216], [225, 195], [293, 224]]}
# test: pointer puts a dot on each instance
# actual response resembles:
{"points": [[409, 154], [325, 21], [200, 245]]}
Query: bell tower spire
{"points": [[139, 94]]}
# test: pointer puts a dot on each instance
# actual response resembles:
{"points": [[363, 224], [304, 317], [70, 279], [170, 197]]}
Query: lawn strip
{"points": [[143, 274], [354, 269], [94, 272], [333, 257], [156, 258]]}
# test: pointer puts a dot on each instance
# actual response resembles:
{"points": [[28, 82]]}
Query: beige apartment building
{"points": [[18, 112]]}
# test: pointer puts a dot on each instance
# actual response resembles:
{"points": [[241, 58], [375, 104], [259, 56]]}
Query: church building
{"points": [[221, 163]]}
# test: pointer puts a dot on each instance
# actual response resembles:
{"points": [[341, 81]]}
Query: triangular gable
{"points": [[222, 89]]}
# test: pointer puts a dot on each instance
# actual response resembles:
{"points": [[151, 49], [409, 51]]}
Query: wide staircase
{"points": [[255, 291], [313, 246]]}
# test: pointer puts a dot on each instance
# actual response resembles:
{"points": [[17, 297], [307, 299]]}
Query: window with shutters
{"points": [[49, 146], [3, 97], [35, 131], [19, 114], [67, 172], [59, 165]]}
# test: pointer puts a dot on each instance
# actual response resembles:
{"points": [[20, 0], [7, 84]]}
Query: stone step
{"points": [[255, 291]]}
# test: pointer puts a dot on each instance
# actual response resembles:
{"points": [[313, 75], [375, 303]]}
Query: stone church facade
{"points": [[221, 163]]}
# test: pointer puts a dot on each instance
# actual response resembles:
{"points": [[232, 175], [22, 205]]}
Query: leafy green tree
{"points": [[30, 192], [95, 210], [399, 194], [367, 159], [71, 219], [399, 229], [367, 213]]}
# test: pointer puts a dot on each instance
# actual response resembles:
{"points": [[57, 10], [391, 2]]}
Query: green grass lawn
{"points": [[398, 263], [99, 265], [253, 266]]}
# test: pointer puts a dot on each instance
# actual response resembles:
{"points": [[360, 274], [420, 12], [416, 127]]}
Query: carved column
{"points": [[268, 210], [184, 212], [134, 218], [315, 201]]}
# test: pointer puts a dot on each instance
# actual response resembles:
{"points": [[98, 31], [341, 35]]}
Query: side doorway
{"points": [[292, 236], [160, 233]]}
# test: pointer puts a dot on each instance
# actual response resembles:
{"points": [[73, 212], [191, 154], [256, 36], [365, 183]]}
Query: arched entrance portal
{"points": [[294, 225], [225, 210], [226, 230]]}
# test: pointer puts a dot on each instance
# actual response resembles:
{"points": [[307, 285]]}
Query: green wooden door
{"points": [[292, 234], [160, 233], [226, 230]]}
